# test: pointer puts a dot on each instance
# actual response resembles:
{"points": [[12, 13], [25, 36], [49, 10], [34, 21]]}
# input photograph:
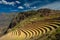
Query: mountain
{"points": [[34, 19]]}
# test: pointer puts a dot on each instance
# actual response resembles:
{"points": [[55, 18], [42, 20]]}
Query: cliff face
{"points": [[5, 20]]}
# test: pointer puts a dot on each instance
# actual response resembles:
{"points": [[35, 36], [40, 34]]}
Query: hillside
{"points": [[5, 20], [34, 15], [34, 21]]}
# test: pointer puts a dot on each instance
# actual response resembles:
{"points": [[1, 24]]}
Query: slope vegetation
{"points": [[33, 25]]}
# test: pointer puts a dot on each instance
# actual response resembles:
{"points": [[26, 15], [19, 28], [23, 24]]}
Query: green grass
{"points": [[35, 17], [55, 35]]}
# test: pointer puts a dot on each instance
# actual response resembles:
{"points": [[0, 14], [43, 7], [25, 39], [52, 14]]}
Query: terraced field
{"points": [[33, 31], [33, 25]]}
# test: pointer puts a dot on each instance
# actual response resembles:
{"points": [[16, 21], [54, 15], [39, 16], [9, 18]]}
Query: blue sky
{"points": [[23, 5]]}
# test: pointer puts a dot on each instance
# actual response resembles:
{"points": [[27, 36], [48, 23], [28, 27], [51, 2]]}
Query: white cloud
{"points": [[21, 7], [0, 2], [55, 5], [18, 2], [30, 4], [5, 2], [34, 7], [9, 3], [35, 2], [27, 5]]}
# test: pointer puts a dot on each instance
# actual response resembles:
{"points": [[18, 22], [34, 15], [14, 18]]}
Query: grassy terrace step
{"points": [[27, 33]]}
